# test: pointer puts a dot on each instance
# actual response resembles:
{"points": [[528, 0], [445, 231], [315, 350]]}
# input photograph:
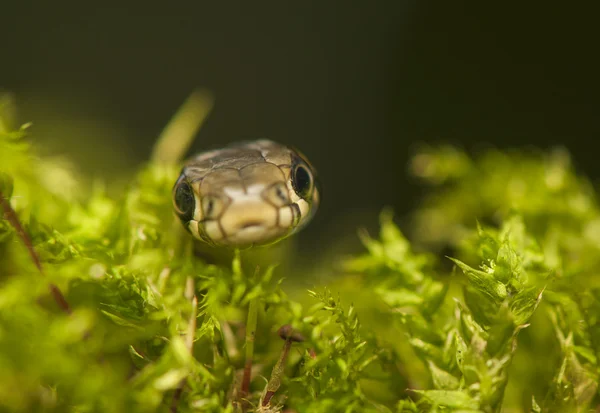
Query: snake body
{"points": [[247, 194]]}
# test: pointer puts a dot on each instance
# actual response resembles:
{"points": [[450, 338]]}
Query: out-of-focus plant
{"points": [[468, 345], [560, 210]]}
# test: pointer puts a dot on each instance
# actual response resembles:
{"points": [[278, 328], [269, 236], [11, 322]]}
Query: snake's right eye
{"points": [[184, 201]]}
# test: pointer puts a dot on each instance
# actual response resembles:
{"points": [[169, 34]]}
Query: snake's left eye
{"points": [[302, 180], [184, 201]]}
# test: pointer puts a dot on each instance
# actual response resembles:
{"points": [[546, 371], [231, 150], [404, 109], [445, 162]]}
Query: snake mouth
{"points": [[255, 231], [252, 224], [252, 234]]}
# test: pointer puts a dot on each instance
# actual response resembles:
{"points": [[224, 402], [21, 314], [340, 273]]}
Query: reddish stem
{"points": [[284, 353], [11, 216], [245, 388]]}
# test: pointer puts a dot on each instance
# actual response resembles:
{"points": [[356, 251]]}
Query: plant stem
{"points": [[286, 333], [250, 334], [277, 373], [189, 338]]}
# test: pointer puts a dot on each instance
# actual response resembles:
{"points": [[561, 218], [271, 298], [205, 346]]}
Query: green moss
{"points": [[509, 322]]}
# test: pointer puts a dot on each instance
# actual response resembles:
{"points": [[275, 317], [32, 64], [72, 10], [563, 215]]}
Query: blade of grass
{"points": [[250, 335], [189, 339], [179, 133]]}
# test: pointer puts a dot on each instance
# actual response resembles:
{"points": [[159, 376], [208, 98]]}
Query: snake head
{"points": [[250, 194]]}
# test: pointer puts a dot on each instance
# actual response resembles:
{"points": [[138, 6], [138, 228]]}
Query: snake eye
{"points": [[184, 201], [302, 181]]}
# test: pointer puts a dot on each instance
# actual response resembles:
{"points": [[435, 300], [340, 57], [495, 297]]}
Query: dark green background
{"points": [[355, 87]]}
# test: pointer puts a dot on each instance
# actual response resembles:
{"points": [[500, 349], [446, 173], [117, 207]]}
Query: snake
{"points": [[247, 194]]}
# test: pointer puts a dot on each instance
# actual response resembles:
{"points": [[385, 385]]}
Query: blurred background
{"points": [[355, 87]]}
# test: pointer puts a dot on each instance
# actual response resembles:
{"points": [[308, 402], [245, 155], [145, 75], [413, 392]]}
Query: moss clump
{"points": [[509, 322]]}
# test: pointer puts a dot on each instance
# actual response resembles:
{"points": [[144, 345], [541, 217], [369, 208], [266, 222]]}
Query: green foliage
{"points": [[553, 216], [509, 321], [340, 362]]}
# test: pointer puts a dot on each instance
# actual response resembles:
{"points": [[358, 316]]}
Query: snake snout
{"points": [[249, 220]]}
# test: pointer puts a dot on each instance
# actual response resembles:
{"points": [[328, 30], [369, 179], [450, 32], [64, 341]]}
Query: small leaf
{"points": [[448, 398], [399, 297], [483, 281], [442, 380], [6, 185], [170, 379]]}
